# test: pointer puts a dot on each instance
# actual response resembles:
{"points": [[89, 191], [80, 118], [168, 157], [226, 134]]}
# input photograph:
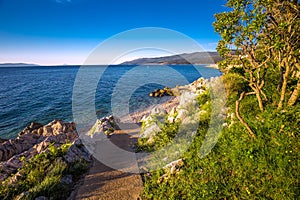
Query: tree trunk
{"points": [[237, 112], [295, 95], [280, 78], [257, 91], [260, 103], [284, 86]]}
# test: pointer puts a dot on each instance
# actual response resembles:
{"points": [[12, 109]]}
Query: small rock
{"points": [[34, 125], [182, 113], [68, 179], [2, 140], [47, 130], [57, 128], [171, 115], [150, 131], [158, 111]]}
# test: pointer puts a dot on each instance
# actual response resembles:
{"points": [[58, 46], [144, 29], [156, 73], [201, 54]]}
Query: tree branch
{"points": [[237, 112]]}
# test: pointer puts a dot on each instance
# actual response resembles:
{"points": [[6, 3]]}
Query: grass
{"points": [[41, 176], [238, 167]]}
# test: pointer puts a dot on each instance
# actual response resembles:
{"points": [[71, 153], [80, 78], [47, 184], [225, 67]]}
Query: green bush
{"points": [[164, 137]]}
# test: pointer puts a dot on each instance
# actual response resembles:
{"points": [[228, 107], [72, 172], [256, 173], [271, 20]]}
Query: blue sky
{"points": [[57, 32]]}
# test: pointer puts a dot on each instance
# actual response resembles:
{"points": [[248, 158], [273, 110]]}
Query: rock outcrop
{"points": [[36, 139], [172, 168], [187, 110], [162, 92], [152, 123], [107, 125]]}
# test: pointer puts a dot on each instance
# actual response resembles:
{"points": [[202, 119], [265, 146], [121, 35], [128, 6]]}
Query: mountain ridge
{"points": [[17, 64], [185, 58]]}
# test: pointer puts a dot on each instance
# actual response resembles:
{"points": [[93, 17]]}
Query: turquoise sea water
{"points": [[43, 93]]}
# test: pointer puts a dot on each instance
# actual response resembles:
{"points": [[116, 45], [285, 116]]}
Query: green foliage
{"points": [[164, 137], [239, 167], [234, 85], [259, 36]]}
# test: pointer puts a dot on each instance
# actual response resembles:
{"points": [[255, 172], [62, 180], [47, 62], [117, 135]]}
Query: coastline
{"points": [[55, 132]]}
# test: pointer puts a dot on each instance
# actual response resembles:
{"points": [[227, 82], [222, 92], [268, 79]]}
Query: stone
{"points": [[162, 178], [68, 179], [144, 119], [41, 146], [40, 131], [150, 132], [162, 92], [47, 130], [107, 125], [171, 169], [57, 128], [76, 153], [187, 97], [35, 139], [1, 154], [177, 163], [34, 126], [2, 140], [182, 113], [171, 115], [7, 150], [158, 111]]}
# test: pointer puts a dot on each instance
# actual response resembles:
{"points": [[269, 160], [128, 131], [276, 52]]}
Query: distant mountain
{"points": [[16, 64], [186, 58]]}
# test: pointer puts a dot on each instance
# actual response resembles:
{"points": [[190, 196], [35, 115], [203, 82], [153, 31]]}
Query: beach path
{"points": [[108, 183]]}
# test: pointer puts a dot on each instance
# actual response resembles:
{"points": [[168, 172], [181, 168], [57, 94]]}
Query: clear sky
{"points": [[54, 32]]}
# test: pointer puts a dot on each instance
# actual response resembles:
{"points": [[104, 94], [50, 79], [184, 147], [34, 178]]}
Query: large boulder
{"points": [[77, 152], [36, 139], [107, 125], [33, 126], [162, 92]]}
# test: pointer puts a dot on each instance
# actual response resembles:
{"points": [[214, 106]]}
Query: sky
{"points": [[57, 32]]}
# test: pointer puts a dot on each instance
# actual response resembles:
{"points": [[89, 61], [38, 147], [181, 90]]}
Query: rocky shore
{"points": [[37, 139]]}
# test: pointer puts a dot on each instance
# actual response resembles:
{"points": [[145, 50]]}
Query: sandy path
{"points": [[105, 183]]}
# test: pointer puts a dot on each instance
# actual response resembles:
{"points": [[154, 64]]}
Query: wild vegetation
{"points": [[257, 155], [260, 41], [43, 175]]}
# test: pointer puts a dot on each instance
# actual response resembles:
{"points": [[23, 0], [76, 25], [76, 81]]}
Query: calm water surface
{"points": [[43, 93]]}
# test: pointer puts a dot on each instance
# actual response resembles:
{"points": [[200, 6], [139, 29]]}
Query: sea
{"points": [[43, 93]]}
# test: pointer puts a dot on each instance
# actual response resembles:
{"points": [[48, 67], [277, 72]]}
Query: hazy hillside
{"points": [[187, 58], [16, 64]]}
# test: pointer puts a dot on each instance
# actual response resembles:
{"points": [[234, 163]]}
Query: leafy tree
{"points": [[281, 34], [261, 37]]}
